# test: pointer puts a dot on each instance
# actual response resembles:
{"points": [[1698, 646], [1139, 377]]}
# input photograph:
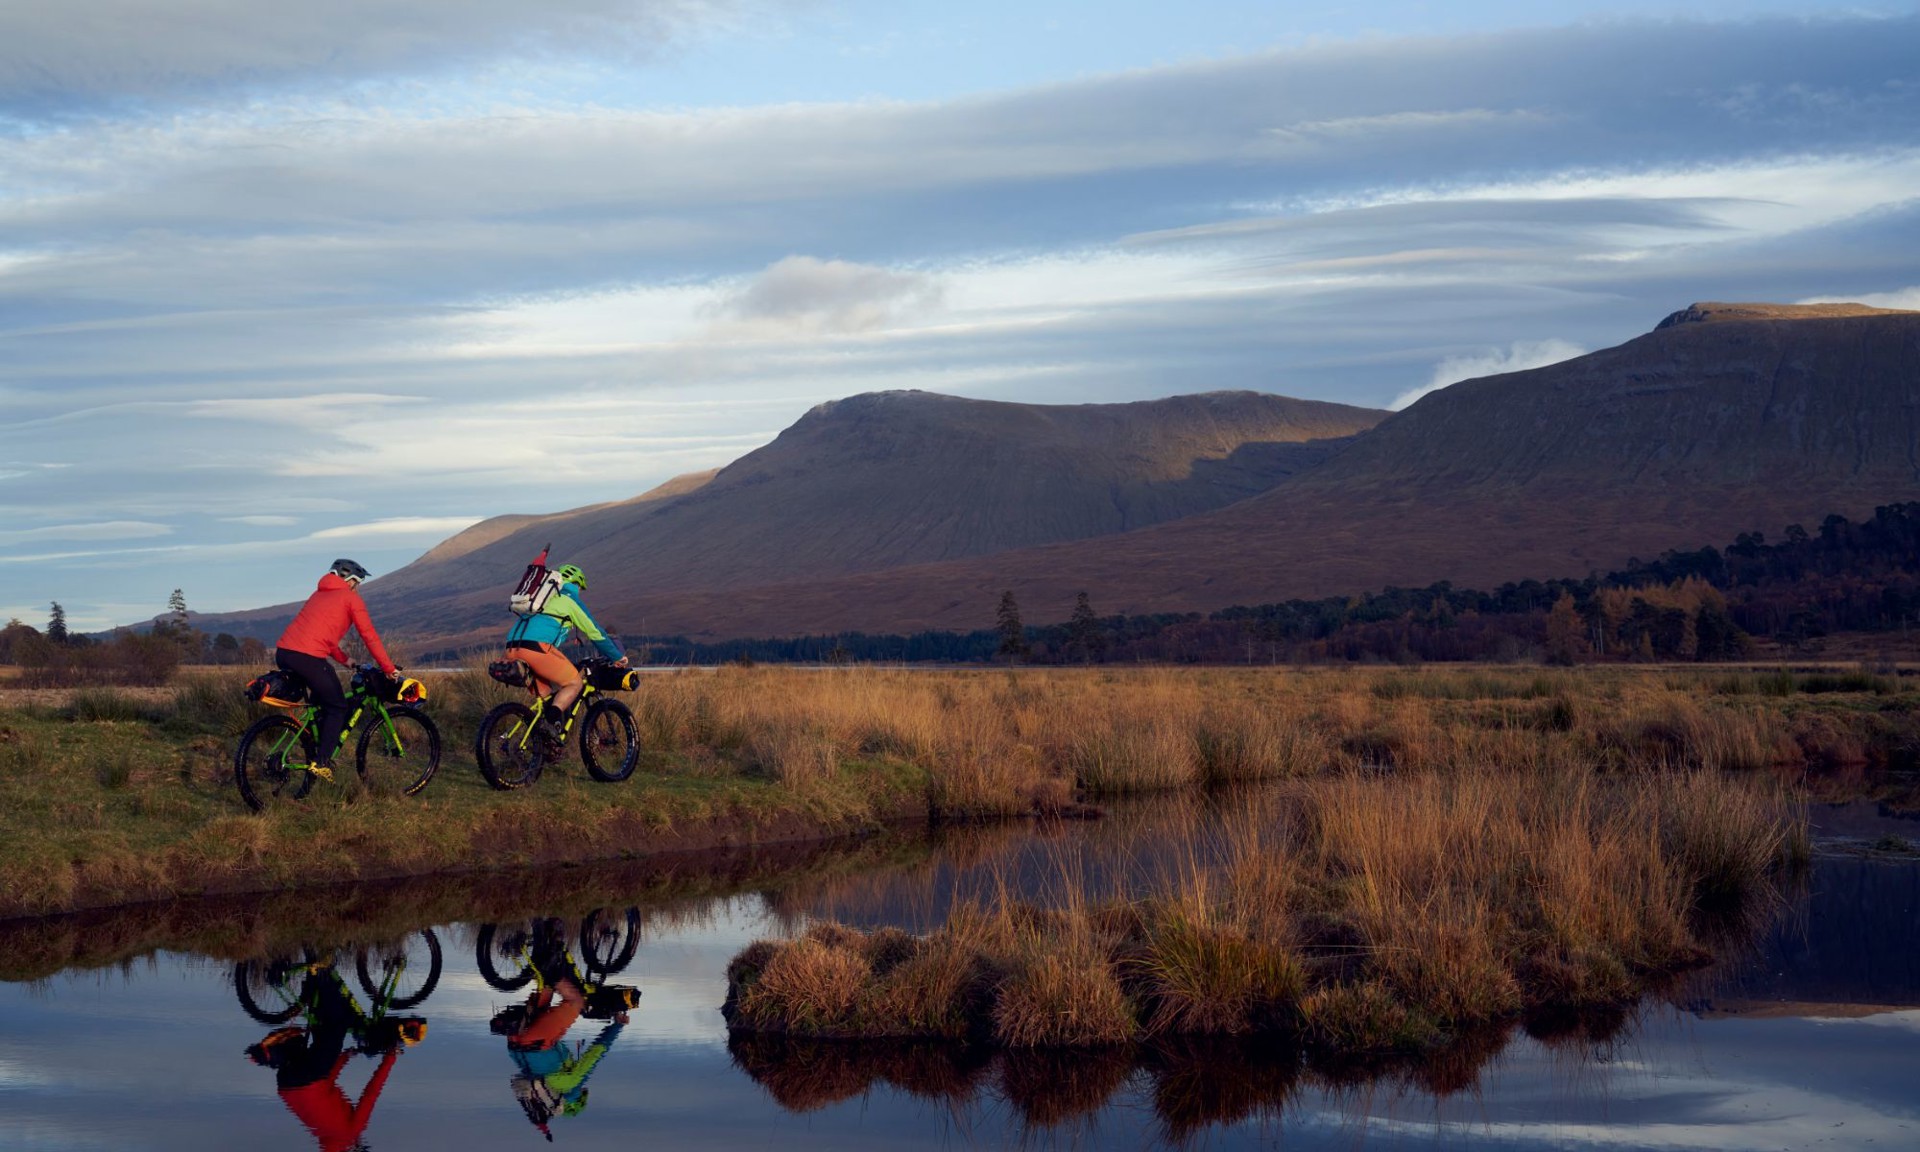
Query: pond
{"points": [[150, 1029]]}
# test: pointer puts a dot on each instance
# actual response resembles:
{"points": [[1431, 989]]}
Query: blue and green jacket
{"points": [[562, 614]]}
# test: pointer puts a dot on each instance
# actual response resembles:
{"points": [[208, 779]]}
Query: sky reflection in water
{"points": [[151, 1057]]}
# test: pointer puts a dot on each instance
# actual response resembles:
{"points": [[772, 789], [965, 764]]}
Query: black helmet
{"points": [[349, 570]]}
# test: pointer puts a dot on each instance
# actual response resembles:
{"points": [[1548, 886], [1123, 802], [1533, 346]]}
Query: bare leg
{"points": [[564, 696]]}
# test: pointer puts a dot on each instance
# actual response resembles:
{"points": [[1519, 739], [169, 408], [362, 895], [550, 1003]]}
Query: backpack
{"points": [[536, 587]]}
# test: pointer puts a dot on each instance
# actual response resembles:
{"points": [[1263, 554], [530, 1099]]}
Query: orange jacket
{"points": [[324, 619]]}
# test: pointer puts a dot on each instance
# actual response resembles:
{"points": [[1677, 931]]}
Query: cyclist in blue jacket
{"points": [[536, 639]]}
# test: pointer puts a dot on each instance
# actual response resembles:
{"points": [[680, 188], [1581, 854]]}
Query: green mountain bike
{"points": [[398, 751], [395, 975], [512, 753]]}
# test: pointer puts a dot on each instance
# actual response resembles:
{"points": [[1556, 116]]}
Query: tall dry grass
{"points": [[1359, 912]]}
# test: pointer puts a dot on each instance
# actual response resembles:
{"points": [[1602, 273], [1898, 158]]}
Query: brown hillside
{"points": [[889, 479], [1723, 419]]}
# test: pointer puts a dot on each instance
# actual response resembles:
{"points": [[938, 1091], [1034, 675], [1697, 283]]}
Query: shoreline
{"points": [[252, 925]]}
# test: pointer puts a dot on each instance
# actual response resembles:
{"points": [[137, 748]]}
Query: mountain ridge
{"points": [[1723, 418]]}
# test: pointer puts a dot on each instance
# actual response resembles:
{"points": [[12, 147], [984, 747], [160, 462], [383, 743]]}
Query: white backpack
{"points": [[536, 587], [535, 601]]}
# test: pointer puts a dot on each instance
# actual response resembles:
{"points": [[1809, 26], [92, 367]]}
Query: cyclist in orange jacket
{"points": [[315, 635]]}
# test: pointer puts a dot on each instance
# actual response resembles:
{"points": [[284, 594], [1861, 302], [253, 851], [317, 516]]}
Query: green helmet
{"points": [[570, 575]]}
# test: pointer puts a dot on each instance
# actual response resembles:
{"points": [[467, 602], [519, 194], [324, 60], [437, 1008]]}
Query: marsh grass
{"points": [[1357, 913], [850, 744]]}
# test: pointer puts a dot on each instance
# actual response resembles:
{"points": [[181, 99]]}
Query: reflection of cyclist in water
{"points": [[552, 1075], [307, 1061]]}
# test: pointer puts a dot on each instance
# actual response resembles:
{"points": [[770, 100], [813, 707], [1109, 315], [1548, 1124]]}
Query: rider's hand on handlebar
{"points": [[623, 662]]}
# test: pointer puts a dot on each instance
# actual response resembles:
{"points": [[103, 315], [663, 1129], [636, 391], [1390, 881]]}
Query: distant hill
{"points": [[880, 481], [1725, 418]]}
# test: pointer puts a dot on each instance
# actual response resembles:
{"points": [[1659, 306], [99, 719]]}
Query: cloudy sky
{"points": [[284, 283]]}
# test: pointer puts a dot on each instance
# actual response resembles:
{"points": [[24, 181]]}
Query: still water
{"points": [[1810, 1040]]}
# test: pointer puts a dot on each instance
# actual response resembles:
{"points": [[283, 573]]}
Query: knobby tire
{"points": [[609, 741], [375, 964], [509, 756], [252, 979], [260, 766], [499, 946], [608, 940], [407, 766]]}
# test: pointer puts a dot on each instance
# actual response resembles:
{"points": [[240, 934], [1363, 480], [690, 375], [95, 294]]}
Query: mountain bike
{"points": [[537, 950], [608, 940], [394, 976], [277, 991], [276, 759], [512, 752]]}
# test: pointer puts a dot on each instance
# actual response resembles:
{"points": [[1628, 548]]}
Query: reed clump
{"points": [[1357, 913]]}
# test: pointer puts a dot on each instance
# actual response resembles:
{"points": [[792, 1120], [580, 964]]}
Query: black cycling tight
{"points": [[324, 683]]}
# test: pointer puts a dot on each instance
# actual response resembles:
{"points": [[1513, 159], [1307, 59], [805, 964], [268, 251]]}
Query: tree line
{"points": [[59, 656]]}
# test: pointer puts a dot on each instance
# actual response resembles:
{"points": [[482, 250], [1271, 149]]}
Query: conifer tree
{"points": [[57, 624], [1083, 630], [1013, 634]]}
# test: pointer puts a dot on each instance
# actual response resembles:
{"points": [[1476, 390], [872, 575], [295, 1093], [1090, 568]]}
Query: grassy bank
{"points": [[118, 796], [1360, 912]]}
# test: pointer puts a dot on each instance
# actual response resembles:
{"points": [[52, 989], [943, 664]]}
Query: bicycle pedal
{"points": [[322, 771]]}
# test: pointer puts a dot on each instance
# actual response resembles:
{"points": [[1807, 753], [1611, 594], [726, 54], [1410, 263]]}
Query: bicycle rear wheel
{"points": [[413, 964], [609, 741], [501, 955], [263, 989], [510, 753], [400, 755], [271, 764]]}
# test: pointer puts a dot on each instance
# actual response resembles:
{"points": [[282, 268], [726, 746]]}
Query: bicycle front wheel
{"points": [[510, 753], [608, 940], [271, 765], [400, 753], [412, 966], [610, 743]]}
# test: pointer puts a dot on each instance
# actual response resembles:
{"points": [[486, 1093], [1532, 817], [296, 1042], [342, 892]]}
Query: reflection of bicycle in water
{"points": [[607, 942], [550, 1074], [394, 976], [308, 1058]]}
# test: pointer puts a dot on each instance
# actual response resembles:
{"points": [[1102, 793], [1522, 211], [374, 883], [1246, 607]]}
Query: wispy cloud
{"points": [[100, 530], [431, 528], [1517, 357], [807, 294], [92, 50], [1904, 298]]}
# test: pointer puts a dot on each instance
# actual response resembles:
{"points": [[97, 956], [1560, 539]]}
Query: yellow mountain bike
{"points": [[511, 751]]}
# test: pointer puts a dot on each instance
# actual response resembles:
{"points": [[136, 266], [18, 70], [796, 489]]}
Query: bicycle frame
{"points": [[361, 699], [522, 734]]}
